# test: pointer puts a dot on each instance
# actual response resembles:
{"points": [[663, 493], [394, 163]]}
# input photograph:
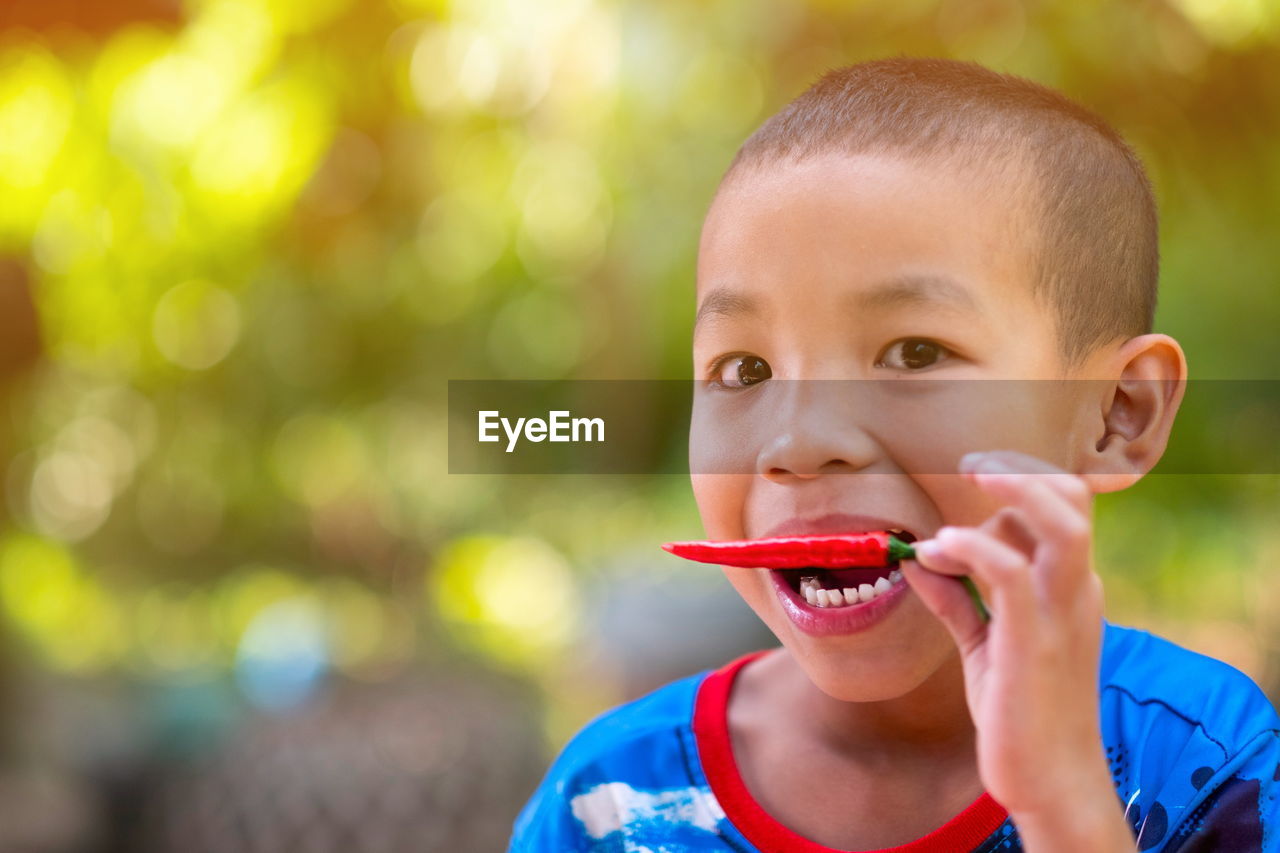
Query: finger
{"points": [[1012, 458], [1072, 487], [1008, 525], [948, 600], [1062, 557], [935, 559], [1002, 573], [1052, 519], [937, 562]]}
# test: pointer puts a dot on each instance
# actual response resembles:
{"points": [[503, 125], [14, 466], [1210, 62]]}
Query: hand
{"points": [[1031, 672]]}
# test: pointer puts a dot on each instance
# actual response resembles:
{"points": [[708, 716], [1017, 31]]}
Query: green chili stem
{"points": [[899, 551]]}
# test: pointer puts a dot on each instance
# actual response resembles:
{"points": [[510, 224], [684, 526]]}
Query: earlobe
{"points": [[1136, 412]]}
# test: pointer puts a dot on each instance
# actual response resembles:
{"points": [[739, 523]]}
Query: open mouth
{"points": [[843, 587]]}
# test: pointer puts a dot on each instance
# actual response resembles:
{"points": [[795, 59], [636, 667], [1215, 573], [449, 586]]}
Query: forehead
{"points": [[844, 220]]}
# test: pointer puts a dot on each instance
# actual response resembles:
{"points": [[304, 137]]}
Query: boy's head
{"points": [[907, 220], [1080, 207]]}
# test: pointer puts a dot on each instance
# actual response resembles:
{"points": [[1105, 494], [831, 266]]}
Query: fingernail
{"points": [[993, 465], [926, 550], [971, 460]]}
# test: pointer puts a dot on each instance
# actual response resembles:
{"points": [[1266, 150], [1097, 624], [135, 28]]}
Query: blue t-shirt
{"points": [[1193, 744]]}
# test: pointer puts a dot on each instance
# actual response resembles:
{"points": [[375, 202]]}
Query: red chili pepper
{"points": [[850, 550], [845, 550]]}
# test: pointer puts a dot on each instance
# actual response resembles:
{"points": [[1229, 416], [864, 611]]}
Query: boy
{"points": [[906, 221]]}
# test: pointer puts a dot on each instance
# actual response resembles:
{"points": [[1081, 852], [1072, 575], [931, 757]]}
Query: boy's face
{"points": [[866, 267]]}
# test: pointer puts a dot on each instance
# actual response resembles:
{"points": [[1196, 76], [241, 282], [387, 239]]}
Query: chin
{"points": [[844, 668], [890, 661], [866, 681]]}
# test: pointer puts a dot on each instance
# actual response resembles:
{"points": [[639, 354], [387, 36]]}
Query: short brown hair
{"points": [[1098, 259]]}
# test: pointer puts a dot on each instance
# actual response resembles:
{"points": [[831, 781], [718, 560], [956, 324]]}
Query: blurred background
{"points": [[244, 244]]}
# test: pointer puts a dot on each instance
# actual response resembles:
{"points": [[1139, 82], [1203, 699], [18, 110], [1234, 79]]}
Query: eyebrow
{"points": [[911, 290], [915, 290], [724, 302]]}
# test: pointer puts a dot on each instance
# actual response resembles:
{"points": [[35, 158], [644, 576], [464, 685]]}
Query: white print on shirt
{"points": [[614, 805]]}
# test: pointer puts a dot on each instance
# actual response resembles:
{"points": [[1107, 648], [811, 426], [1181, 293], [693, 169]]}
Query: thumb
{"points": [[947, 598]]}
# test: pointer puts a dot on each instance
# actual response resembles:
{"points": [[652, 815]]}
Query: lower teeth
{"points": [[817, 596]]}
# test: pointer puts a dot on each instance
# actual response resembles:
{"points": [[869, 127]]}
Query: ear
{"points": [[1135, 412]]}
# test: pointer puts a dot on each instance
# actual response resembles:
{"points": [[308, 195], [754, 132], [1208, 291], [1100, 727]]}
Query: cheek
{"points": [[725, 432], [720, 499], [957, 500], [928, 434], [756, 589], [752, 585]]}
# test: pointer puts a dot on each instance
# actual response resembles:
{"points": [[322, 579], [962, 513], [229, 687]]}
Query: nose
{"points": [[815, 431]]}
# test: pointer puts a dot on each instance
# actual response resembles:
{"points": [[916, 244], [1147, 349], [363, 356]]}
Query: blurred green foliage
{"points": [[261, 239]]}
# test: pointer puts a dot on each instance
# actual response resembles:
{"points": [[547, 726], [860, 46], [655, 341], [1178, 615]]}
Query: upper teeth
{"points": [[895, 529], [814, 593]]}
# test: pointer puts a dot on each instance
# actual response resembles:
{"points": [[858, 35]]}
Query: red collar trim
{"points": [[965, 831]]}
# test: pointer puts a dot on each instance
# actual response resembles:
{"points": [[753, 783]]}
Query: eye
{"points": [[912, 354], [740, 370]]}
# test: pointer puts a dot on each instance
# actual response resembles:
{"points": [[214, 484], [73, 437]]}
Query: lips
{"points": [[837, 522], [821, 615], [821, 620]]}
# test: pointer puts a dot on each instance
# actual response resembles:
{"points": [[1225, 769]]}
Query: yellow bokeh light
{"points": [[257, 157], [513, 598], [195, 324], [240, 598], [1231, 21], [72, 233], [298, 16], [103, 441], [173, 100], [122, 59], [65, 613], [237, 37], [38, 581], [565, 207], [318, 458], [37, 106], [460, 238], [370, 636], [71, 495]]}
